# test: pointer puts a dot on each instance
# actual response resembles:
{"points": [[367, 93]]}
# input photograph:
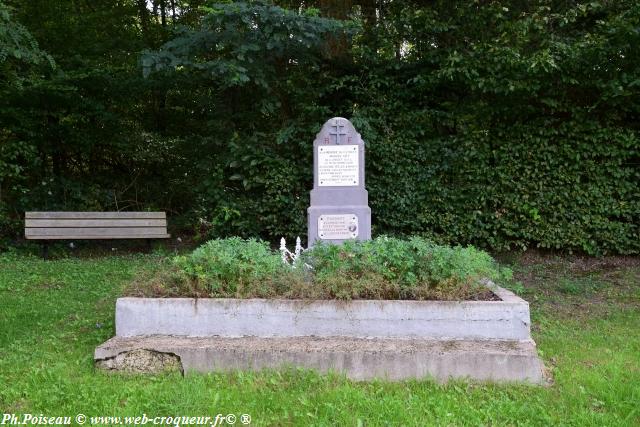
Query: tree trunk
{"points": [[143, 14], [163, 13], [369, 18], [336, 9]]}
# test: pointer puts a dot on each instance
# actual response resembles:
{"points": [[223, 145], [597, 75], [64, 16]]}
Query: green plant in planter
{"points": [[391, 268], [383, 268], [225, 267]]}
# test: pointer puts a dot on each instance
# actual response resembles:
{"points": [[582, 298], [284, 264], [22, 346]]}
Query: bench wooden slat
{"points": [[97, 232], [95, 215], [89, 223], [95, 225], [115, 236]]}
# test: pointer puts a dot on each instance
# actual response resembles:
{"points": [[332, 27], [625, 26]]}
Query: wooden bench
{"points": [[46, 226]]}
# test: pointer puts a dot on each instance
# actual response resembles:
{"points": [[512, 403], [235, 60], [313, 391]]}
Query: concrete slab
{"points": [[507, 319], [357, 358]]}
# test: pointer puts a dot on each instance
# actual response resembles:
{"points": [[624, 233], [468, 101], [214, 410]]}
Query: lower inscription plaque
{"points": [[332, 227]]}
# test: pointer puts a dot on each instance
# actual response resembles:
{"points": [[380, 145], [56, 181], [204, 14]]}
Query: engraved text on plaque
{"points": [[338, 166], [337, 226]]}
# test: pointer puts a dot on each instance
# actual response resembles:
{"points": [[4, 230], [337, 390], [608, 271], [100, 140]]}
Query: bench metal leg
{"points": [[45, 250]]}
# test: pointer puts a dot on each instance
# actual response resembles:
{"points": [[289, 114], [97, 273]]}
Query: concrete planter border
{"points": [[507, 319], [393, 340]]}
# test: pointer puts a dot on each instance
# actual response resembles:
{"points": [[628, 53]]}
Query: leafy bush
{"points": [[391, 268], [384, 268], [229, 266]]}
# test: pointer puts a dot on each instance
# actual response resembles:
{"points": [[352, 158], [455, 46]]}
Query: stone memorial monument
{"points": [[339, 207]]}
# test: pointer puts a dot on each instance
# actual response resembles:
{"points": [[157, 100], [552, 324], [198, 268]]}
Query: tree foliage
{"points": [[19, 51], [503, 124]]}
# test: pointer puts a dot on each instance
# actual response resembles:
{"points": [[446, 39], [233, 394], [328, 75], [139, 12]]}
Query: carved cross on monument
{"points": [[338, 130]]}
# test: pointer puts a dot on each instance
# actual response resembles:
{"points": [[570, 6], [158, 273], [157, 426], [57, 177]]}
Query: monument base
{"points": [[357, 358], [358, 216]]}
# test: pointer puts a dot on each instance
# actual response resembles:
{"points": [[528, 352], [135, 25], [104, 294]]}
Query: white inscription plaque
{"points": [[338, 226], [338, 166]]}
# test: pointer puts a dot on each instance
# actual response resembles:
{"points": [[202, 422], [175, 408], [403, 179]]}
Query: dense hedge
{"points": [[501, 124]]}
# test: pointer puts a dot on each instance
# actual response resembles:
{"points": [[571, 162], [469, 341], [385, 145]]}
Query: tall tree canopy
{"points": [[503, 124], [19, 51]]}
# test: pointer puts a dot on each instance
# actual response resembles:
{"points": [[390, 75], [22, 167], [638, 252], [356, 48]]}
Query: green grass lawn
{"points": [[586, 321]]}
